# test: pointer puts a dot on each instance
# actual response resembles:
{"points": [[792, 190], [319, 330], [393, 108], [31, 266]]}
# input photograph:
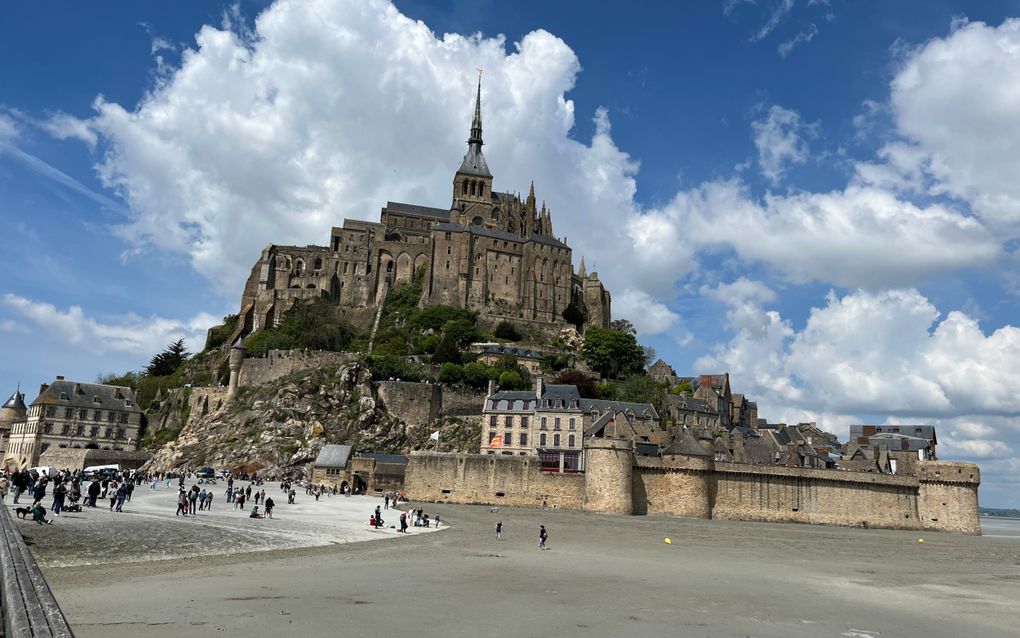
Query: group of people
{"points": [[68, 489], [199, 498], [419, 517]]}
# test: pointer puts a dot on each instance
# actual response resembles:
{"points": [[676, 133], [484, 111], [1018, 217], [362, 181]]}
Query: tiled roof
{"points": [[525, 353], [333, 456]]}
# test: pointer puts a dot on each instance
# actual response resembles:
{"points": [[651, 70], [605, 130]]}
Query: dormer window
{"points": [[96, 400], [128, 403], [63, 396]]}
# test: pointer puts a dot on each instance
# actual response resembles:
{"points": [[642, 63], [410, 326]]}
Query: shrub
{"points": [[476, 375]]}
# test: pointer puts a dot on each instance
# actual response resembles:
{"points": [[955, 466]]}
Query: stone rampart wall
{"points": [[462, 401], [77, 458], [943, 496], [280, 363], [413, 403], [489, 479], [827, 497]]}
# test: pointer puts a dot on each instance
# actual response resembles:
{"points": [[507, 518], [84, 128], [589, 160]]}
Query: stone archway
{"points": [[404, 271]]}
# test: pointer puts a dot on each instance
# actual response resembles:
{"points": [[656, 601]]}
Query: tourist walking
{"points": [[121, 494], [59, 492], [93, 492], [543, 536], [4, 486], [386, 504], [403, 522], [269, 507], [499, 530], [182, 503]]}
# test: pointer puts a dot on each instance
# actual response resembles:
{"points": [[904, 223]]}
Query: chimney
{"points": [[792, 455], [60, 377], [539, 387], [43, 387], [492, 388], [706, 380]]}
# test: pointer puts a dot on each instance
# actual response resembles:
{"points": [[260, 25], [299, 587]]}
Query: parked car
{"points": [[205, 473]]}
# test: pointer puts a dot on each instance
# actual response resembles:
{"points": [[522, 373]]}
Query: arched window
{"points": [[318, 263], [464, 187], [299, 267]]}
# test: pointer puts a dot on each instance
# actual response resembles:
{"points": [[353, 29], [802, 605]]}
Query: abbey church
{"points": [[488, 251]]}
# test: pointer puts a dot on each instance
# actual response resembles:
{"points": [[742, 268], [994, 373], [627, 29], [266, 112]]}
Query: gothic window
{"points": [[299, 267], [495, 214], [463, 190], [477, 221], [318, 264]]}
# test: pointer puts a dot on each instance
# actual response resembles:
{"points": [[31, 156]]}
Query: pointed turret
{"points": [[531, 199], [583, 272], [476, 122]]}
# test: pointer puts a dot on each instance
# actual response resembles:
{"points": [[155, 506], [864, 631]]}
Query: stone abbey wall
{"points": [[416, 403], [942, 497]]}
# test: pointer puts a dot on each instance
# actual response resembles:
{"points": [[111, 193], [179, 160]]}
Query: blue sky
{"points": [[816, 196]]}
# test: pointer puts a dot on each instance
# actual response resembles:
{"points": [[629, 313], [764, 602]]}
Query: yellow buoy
{"points": [[668, 542], [921, 541]]}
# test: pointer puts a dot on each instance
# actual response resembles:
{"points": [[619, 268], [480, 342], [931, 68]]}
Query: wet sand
{"points": [[603, 576]]}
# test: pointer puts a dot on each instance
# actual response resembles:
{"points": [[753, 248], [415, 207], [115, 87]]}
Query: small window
{"points": [[573, 423], [449, 236], [545, 423], [507, 439], [541, 439], [524, 438], [96, 400], [570, 441], [524, 421], [63, 396], [128, 403], [556, 440], [508, 421], [556, 423]]}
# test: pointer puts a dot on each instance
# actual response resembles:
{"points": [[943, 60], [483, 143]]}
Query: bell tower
{"points": [[472, 185]]}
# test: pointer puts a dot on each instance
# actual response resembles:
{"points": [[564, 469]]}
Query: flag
{"points": [[497, 441], [434, 436]]}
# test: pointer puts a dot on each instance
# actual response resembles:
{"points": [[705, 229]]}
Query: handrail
{"points": [[29, 608]]}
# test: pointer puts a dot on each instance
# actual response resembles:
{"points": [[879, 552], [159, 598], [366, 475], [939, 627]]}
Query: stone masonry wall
{"points": [[414, 403], [827, 497], [462, 402], [280, 363], [491, 480], [942, 497]]}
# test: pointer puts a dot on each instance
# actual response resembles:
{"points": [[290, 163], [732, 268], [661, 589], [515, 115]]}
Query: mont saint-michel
{"points": [[586, 319]]}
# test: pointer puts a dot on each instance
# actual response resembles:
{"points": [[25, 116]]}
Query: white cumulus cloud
{"points": [[131, 333]]}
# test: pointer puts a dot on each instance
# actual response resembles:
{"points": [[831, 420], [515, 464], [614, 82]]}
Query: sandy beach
{"points": [[320, 570]]}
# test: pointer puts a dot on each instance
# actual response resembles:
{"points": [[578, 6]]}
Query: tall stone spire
{"points": [[476, 123], [583, 272], [530, 203], [474, 162]]}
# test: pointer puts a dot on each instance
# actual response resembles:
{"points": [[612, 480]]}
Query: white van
{"points": [[101, 470], [44, 470]]}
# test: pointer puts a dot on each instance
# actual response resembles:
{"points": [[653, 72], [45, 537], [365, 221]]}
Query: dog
{"points": [[22, 512]]}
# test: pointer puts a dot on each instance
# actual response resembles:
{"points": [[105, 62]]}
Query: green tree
{"points": [[463, 331], [166, 362], [218, 335], [451, 373], [623, 325], [612, 353], [683, 387], [447, 350], [506, 330], [573, 314], [641, 388], [476, 375], [511, 380]]}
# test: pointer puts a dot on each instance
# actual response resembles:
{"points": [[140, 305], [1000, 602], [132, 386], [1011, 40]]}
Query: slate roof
{"points": [[523, 353], [16, 402], [84, 395], [909, 429], [685, 443], [513, 395], [688, 403], [474, 162], [420, 211], [398, 459], [498, 234], [333, 456], [603, 404], [553, 391]]}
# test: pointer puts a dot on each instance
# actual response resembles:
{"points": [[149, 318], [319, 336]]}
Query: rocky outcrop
{"points": [[278, 428]]}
